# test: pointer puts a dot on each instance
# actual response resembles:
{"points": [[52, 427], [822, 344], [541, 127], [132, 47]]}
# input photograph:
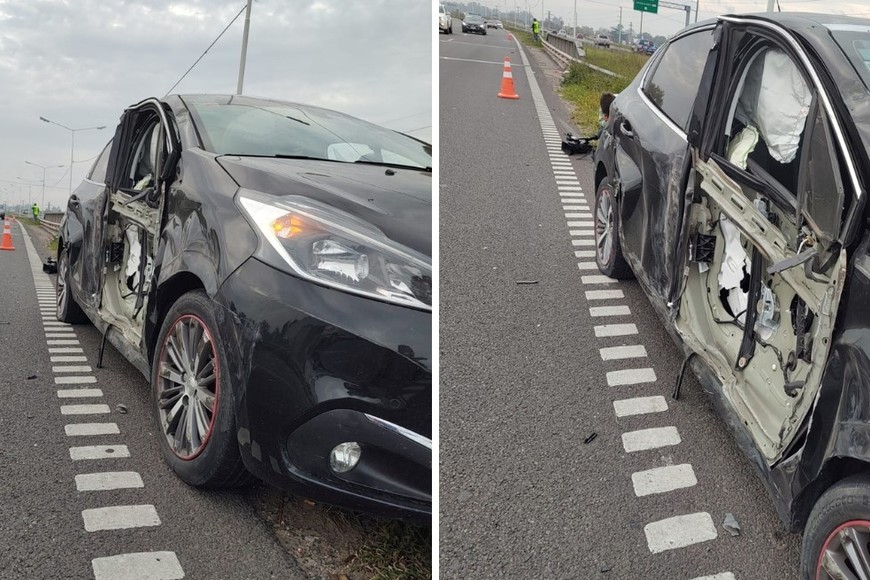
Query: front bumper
{"points": [[444, 24], [474, 28], [317, 367]]}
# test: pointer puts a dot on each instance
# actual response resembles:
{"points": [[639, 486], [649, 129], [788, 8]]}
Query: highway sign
{"points": [[647, 6]]}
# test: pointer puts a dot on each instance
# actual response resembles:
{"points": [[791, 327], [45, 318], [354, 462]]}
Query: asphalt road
{"points": [[48, 508], [524, 382]]}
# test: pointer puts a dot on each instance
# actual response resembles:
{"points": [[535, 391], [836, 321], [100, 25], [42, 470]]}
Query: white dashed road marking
{"points": [[679, 532], [650, 439], [80, 429], [120, 517], [615, 330], [108, 480], [640, 406], [138, 566], [84, 409], [663, 479], [623, 352], [98, 452], [630, 377], [75, 393]]}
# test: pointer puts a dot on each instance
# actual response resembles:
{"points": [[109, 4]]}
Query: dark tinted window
{"points": [[821, 191], [674, 82], [98, 171]]}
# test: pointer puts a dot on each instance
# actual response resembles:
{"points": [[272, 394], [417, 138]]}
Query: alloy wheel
{"points": [[604, 228], [61, 292], [846, 553], [187, 389]]}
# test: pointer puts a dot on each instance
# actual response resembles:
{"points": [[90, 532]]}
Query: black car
{"points": [[474, 23], [267, 266], [731, 182]]}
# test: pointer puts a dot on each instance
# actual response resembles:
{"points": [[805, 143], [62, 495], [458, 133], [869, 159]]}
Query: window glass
{"points": [[821, 191], [101, 165], [673, 84]]}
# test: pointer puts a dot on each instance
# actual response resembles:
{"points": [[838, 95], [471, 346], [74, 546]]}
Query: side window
{"points": [[673, 84], [820, 190], [101, 165], [144, 162]]}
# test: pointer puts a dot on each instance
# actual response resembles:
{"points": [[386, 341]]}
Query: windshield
{"points": [[474, 19], [274, 129], [854, 40]]}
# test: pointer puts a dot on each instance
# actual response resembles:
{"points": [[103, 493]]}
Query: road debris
{"points": [[731, 525], [121, 408], [527, 281], [31, 377], [590, 438]]}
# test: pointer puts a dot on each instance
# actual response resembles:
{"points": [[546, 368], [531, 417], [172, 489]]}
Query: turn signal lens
{"points": [[288, 225]]}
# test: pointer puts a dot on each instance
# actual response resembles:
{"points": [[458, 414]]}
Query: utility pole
{"points": [[620, 25], [575, 19], [244, 48], [640, 34], [770, 5], [696, 9]]}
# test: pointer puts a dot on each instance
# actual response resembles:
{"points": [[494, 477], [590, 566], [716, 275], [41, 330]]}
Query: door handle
{"points": [[625, 128]]}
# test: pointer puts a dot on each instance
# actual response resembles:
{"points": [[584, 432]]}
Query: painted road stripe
{"points": [[722, 576], [575, 216], [98, 452], [64, 350], [138, 566], [60, 342], [603, 294], [74, 380], [640, 406], [650, 439], [586, 243], [77, 393], [679, 532], [584, 254], [71, 369], [620, 310], [630, 377], [120, 517], [598, 279], [577, 224], [56, 323], [60, 335], [623, 352], [615, 330], [108, 480], [84, 409], [586, 266], [663, 479], [81, 429], [68, 359]]}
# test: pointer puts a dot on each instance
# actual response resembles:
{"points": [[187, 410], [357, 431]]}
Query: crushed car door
{"points": [[766, 267], [651, 157], [147, 150]]}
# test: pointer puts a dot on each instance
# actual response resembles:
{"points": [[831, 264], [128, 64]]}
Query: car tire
{"points": [[201, 456], [68, 309], [841, 510], [608, 252]]}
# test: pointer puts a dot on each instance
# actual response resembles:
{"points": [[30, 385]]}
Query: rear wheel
{"points": [[193, 400], [836, 541], [68, 309], [608, 252]]}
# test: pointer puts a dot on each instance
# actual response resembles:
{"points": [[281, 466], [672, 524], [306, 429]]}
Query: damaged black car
{"points": [[267, 266], [731, 181]]}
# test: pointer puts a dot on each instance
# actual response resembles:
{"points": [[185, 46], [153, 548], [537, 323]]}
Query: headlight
{"points": [[333, 248]]}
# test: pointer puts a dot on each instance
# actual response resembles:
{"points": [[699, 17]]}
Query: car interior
{"points": [[760, 296]]}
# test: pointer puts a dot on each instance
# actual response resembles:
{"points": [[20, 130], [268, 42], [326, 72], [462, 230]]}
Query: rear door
{"points": [[652, 157]]}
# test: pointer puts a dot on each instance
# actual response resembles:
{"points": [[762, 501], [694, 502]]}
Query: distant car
{"points": [[494, 24], [732, 181], [474, 23], [645, 46], [602, 40], [445, 20], [267, 266]]}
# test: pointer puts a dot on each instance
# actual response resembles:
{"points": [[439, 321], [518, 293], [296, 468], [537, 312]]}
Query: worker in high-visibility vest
{"points": [[35, 211], [536, 28]]}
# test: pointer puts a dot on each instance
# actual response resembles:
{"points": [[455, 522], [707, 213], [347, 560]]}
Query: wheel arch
{"points": [[600, 174], [835, 470], [167, 294]]}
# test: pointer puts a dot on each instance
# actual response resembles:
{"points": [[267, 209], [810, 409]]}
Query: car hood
{"points": [[396, 201]]}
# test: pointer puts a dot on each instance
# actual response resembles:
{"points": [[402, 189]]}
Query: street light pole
{"points": [[73, 144], [244, 48], [44, 167]]}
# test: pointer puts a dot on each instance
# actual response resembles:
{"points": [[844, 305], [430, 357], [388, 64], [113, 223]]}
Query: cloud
{"points": [[81, 63]]}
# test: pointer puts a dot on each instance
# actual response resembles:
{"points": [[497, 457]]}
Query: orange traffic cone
{"points": [[507, 82], [510, 36], [6, 244]]}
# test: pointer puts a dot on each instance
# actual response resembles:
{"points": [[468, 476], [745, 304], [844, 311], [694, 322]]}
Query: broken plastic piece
{"points": [[703, 247], [730, 524], [591, 438]]}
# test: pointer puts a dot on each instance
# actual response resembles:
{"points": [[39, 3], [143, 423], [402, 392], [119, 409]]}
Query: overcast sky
{"points": [[597, 13], [81, 62]]}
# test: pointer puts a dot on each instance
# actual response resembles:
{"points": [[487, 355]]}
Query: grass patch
{"points": [[525, 37], [626, 64], [395, 551], [52, 245]]}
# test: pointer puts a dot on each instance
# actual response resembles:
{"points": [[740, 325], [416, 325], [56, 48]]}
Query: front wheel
{"points": [[193, 400], [608, 252], [836, 541]]}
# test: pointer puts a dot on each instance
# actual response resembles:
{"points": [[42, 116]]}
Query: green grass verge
{"points": [[396, 551], [525, 37], [52, 245], [582, 86]]}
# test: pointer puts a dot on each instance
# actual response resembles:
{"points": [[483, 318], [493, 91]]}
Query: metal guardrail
{"points": [[52, 216], [567, 46], [49, 225]]}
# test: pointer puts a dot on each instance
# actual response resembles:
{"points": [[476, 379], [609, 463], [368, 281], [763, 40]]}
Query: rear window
{"points": [[854, 40]]}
